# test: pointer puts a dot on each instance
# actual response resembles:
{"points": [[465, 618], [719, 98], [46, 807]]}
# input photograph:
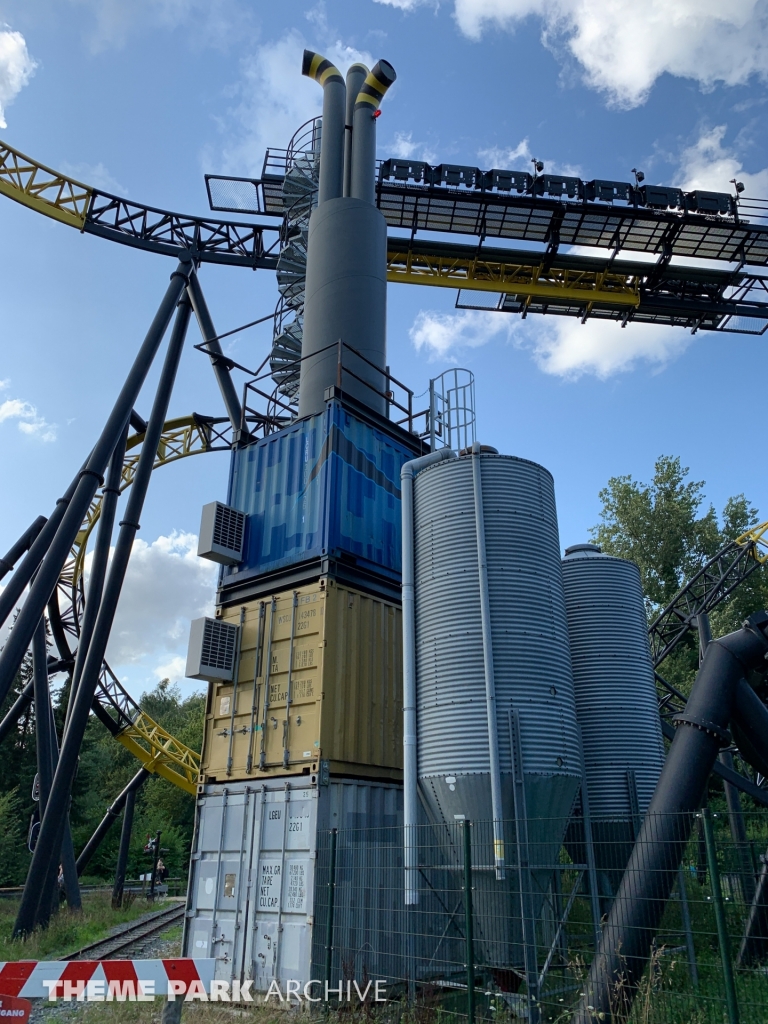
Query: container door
{"points": [[281, 932]]}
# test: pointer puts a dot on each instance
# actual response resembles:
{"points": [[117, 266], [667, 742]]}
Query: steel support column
{"points": [[52, 825], [218, 359], [85, 485], [110, 497], [25, 541], [627, 938], [106, 823]]}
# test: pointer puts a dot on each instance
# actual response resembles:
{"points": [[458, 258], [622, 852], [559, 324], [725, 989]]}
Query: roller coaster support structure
{"points": [[47, 755], [702, 730], [22, 544], [21, 577], [111, 495], [32, 912], [732, 795], [106, 823], [85, 485], [125, 842], [218, 359]]}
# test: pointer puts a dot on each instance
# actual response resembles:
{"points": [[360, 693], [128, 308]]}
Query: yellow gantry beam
{"points": [[512, 278], [159, 751], [43, 189]]}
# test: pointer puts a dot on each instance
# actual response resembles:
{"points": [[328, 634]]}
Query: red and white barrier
{"points": [[95, 980]]}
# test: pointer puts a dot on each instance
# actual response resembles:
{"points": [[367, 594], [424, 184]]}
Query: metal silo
{"points": [[494, 692], [616, 701]]}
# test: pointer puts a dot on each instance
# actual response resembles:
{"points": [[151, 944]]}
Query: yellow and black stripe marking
{"points": [[379, 79], [319, 68]]}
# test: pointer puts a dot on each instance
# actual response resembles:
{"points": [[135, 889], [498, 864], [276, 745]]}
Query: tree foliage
{"points": [[104, 768], [666, 528]]}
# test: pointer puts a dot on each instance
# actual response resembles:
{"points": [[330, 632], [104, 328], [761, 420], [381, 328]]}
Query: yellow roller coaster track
{"points": [[512, 277], [43, 189], [159, 751]]}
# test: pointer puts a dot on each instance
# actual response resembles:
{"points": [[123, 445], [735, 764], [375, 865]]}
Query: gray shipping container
{"points": [[252, 902]]}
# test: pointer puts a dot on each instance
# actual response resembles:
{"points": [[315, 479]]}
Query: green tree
{"points": [[658, 526], [665, 527]]}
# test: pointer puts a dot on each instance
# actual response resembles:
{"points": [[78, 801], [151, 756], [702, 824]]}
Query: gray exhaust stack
{"points": [[320, 70], [346, 284]]}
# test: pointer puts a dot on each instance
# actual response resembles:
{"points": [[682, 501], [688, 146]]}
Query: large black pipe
{"points": [[22, 544], [637, 910], [750, 727], [47, 755], [17, 709], [111, 816], [31, 911], [122, 854], [753, 948], [218, 359], [87, 482], [24, 573], [732, 795], [110, 498]]}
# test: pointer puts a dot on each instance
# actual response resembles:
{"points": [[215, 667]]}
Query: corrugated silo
{"points": [[616, 701], [530, 674]]}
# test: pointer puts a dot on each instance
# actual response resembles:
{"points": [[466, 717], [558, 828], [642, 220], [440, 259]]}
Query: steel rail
{"points": [[133, 934]]}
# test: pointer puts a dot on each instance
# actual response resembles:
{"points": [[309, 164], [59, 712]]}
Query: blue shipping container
{"points": [[328, 485]]}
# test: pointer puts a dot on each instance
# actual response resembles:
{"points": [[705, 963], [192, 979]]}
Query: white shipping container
{"points": [[251, 897]]}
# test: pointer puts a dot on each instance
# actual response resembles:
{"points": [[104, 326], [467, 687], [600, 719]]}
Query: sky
{"points": [[143, 99]]}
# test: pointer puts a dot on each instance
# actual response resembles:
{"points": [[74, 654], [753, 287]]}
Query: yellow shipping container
{"points": [[319, 678]]}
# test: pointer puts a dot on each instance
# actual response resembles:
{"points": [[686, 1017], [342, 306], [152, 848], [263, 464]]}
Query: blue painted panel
{"points": [[328, 485]]}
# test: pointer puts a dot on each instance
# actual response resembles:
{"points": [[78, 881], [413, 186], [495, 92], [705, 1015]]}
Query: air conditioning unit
{"points": [[222, 533], [212, 650]]}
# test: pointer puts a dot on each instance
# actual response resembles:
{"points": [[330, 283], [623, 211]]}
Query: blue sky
{"points": [[143, 98]]}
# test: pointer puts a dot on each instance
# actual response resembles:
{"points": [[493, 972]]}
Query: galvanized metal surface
{"points": [[616, 702], [326, 485], [530, 642], [334, 694]]}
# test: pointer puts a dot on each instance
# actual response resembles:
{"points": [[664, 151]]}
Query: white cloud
{"points": [[16, 68], [211, 23], [95, 175], [404, 148], [564, 347], [172, 670], [561, 346], [166, 586], [408, 5], [27, 418], [708, 165], [275, 99], [624, 46], [520, 158], [444, 335]]}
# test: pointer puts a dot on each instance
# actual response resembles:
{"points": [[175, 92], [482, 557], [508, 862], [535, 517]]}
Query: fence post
{"points": [[722, 928], [331, 900], [470, 944]]}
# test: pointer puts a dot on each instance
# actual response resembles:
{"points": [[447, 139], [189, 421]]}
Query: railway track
{"points": [[130, 936]]}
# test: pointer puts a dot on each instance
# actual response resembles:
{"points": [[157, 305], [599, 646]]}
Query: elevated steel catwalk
{"points": [[527, 281]]}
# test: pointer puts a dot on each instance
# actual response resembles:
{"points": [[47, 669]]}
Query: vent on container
{"points": [[222, 531], [212, 648]]}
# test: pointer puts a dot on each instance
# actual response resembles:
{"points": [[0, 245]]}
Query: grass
{"points": [[68, 930]]}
